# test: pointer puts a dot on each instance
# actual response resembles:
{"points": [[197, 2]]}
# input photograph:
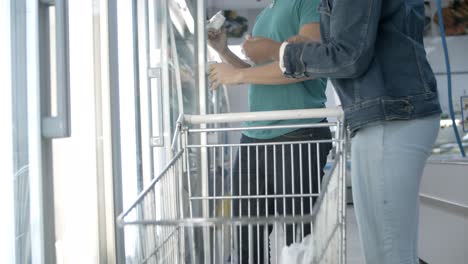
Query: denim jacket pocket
{"points": [[415, 22], [325, 7]]}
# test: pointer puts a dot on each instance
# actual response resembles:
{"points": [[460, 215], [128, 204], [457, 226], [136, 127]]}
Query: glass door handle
{"points": [[157, 139], [59, 125], [157, 70]]}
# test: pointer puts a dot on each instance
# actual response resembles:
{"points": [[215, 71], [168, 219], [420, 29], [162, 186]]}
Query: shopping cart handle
{"points": [[264, 116]]}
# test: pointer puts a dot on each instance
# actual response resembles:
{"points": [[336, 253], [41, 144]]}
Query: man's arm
{"points": [[264, 50], [310, 31], [269, 74], [350, 50], [231, 58], [217, 39]]}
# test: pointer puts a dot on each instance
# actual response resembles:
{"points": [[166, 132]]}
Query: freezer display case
{"points": [[170, 72]]}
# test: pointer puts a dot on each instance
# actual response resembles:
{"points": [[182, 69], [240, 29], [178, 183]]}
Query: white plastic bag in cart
{"points": [[276, 243], [299, 253], [296, 253]]}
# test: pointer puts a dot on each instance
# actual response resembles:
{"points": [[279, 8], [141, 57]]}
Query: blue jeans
{"points": [[277, 169], [387, 163]]}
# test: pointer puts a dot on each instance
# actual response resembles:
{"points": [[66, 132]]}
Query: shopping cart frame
{"points": [[178, 221]]}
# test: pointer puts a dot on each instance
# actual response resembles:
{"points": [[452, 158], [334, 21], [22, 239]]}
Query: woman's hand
{"points": [[223, 74], [300, 39], [217, 39], [260, 50]]}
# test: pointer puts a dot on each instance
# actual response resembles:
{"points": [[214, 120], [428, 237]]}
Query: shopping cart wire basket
{"points": [[257, 201]]}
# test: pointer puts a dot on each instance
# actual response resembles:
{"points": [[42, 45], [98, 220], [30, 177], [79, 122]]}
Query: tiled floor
{"points": [[354, 251]]}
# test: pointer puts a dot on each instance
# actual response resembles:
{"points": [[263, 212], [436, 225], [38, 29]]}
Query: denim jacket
{"points": [[373, 52]]}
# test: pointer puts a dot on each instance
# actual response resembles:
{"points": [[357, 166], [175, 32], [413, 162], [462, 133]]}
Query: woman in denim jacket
{"points": [[373, 52]]}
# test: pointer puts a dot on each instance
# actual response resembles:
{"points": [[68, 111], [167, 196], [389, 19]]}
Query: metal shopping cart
{"points": [[248, 202]]}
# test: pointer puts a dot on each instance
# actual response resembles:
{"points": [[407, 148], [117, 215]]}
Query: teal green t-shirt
{"points": [[279, 22]]}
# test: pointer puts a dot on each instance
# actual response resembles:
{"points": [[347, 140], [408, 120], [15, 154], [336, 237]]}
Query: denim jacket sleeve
{"points": [[348, 43]]}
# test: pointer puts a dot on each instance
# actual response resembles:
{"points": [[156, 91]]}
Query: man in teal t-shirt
{"points": [[283, 20], [280, 21]]}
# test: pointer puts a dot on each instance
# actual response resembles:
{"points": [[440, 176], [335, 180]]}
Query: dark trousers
{"points": [[276, 170]]}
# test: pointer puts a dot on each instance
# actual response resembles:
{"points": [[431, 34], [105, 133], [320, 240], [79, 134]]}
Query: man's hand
{"points": [[223, 73], [260, 50], [217, 39]]}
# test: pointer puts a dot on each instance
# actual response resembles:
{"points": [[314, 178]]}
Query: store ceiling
{"points": [[238, 4]]}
